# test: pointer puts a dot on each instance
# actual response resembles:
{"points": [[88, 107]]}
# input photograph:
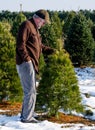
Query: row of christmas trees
{"points": [[58, 85]]}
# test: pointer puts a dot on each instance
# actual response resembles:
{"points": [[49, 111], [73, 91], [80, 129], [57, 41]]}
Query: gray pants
{"points": [[27, 77]]}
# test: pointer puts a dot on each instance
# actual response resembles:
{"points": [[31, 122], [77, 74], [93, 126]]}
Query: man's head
{"points": [[43, 14]]}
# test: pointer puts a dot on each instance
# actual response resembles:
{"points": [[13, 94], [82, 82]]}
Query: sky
{"points": [[59, 5], [86, 81]]}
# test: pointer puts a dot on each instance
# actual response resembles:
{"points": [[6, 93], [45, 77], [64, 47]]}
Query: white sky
{"points": [[33, 5]]}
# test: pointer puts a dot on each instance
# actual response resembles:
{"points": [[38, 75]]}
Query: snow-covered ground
{"points": [[86, 78]]}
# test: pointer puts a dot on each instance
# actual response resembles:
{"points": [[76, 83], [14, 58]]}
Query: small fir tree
{"points": [[58, 88]]}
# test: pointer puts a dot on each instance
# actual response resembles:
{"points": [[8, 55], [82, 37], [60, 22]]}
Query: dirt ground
{"points": [[15, 108]]}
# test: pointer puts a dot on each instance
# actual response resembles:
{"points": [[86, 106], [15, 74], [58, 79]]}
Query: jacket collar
{"points": [[33, 22]]}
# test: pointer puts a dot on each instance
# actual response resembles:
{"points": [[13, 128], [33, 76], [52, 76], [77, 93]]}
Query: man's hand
{"points": [[56, 51]]}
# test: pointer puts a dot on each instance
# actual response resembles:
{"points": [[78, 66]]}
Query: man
{"points": [[28, 50]]}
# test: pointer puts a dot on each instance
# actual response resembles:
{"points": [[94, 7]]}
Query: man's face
{"points": [[41, 23]]}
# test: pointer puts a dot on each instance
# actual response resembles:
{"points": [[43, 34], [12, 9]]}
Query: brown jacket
{"points": [[29, 45]]}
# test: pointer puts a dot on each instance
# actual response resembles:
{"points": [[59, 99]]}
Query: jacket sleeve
{"points": [[21, 42], [47, 50]]}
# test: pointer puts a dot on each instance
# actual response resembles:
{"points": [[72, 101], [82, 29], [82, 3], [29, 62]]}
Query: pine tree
{"points": [[10, 88], [58, 87], [79, 42]]}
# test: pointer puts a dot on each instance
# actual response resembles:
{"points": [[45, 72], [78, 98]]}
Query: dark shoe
{"points": [[36, 117], [30, 121]]}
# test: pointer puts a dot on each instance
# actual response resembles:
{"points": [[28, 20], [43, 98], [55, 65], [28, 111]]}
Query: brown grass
{"points": [[15, 108]]}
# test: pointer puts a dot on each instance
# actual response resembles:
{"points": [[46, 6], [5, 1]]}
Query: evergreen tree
{"points": [[79, 42], [10, 88], [58, 87]]}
